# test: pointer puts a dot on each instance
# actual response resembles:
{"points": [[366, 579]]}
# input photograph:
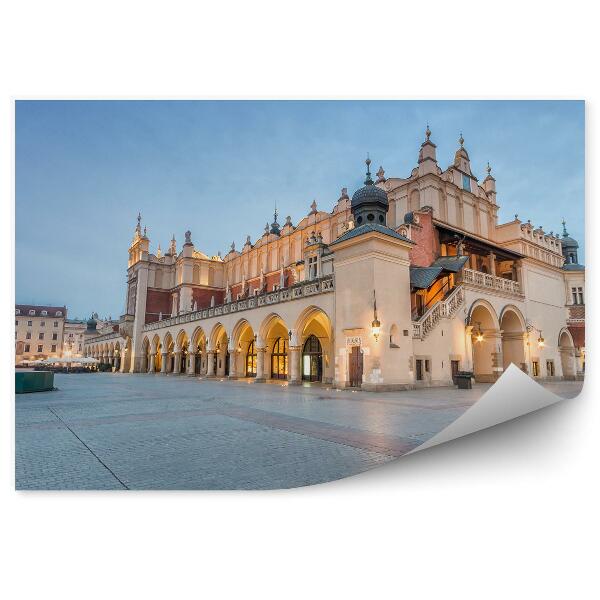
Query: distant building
{"points": [[75, 333], [39, 331]]}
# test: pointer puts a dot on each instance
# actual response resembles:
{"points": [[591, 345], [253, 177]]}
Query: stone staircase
{"points": [[443, 309]]}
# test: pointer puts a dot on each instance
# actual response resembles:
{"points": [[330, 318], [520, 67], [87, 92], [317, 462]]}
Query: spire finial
{"points": [[564, 224], [427, 132], [461, 140], [368, 180], [138, 227], [488, 168]]}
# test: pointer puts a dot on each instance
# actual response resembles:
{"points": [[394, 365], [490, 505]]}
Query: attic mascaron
{"points": [[404, 285]]}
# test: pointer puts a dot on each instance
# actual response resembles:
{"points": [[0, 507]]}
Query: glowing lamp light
{"points": [[541, 342], [479, 334], [375, 324], [376, 328]]}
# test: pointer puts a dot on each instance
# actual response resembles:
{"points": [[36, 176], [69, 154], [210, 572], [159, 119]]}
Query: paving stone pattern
{"points": [[113, 431]]}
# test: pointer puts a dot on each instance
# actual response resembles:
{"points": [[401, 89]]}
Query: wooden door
{"points": [[454, 365], [356, 367]]}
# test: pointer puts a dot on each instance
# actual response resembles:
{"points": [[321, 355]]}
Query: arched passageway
{"points": [[486, 342], [181, 352], [514, 334], [566, 349], [272, 359], [218, 353], [243, 355], [315, 346], [198, 353]]}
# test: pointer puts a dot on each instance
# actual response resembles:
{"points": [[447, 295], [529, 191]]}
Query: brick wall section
{"points": [[157, 301], [202, 296], [426, 239], [577, 311], [271, 279]]}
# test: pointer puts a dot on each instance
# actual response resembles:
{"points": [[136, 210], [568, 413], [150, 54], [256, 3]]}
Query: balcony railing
{"points": [[443, 309], [300, 290], [491, 282]]}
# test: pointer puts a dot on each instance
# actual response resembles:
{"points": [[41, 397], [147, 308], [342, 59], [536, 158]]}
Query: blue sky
{"points": [[85, 168]]}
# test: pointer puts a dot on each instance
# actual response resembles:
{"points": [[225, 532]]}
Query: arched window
{"points": [[312, 359], [279, 362], [251, 361]]}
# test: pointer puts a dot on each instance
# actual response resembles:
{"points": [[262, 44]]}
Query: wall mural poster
{"points": [[302, 305]]}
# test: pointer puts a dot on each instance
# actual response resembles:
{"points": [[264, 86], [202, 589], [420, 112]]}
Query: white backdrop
{"points": [[506, 513]]}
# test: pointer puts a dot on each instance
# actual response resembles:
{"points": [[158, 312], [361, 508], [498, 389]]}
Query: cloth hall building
{"points": [[405, 284]]}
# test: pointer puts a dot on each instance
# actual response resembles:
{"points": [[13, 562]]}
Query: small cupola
{"points": [[369, 203]]}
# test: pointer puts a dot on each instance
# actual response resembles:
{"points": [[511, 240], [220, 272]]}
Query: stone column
{"points": [[210, 363], [191, 370], [260, 364], [492, 264], [177, 363], [152, 363], [221, 358], [294, 358], [163, 364], [468, 348], [497, 360]]}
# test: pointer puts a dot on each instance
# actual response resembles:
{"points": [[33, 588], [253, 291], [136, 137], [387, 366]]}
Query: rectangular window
{"points": [[580, 295], [53, 347], [40, 348], [550, 368], [29, 323], [55, 323], [466, 183], [55, 336], [16, 322], [574, 293], [28, 335], [536, 368], [26, 347], [43, 324], [40, 336]]}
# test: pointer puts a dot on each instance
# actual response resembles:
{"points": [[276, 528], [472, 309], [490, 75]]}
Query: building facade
{"points": [[406, 284], [39, 332], [75, 333]]}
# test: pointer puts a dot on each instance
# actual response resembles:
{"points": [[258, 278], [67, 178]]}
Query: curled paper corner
{"points": [[513, 395]]}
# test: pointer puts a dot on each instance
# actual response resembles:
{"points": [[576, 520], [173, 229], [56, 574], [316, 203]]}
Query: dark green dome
{"points": [[91, 324], [369, 203]]}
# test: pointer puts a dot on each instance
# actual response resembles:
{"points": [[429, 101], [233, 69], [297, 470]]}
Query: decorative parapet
{"points": [[443, 309], [300, 290], [491, 282]]}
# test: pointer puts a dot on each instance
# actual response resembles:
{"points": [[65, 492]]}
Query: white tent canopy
{"points": [[70, 360]]}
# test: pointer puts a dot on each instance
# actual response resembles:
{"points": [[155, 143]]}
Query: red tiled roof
{"points": [[51, 310]]}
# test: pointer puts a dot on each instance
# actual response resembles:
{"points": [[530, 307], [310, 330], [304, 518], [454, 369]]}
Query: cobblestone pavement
{"points": [[114, 431]]}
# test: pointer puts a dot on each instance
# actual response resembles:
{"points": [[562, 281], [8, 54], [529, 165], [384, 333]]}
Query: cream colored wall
{"points": [[371, 262], [36, 328]]}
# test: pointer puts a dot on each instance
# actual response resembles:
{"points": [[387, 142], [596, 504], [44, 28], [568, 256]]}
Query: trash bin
{"points": [[464, 380]]}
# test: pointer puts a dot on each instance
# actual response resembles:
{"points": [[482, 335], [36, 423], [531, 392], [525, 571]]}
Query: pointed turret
{"points": [[173, 246], [427, 155], [275, 225], [138, 228], [489, 184], [461, 158]]}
